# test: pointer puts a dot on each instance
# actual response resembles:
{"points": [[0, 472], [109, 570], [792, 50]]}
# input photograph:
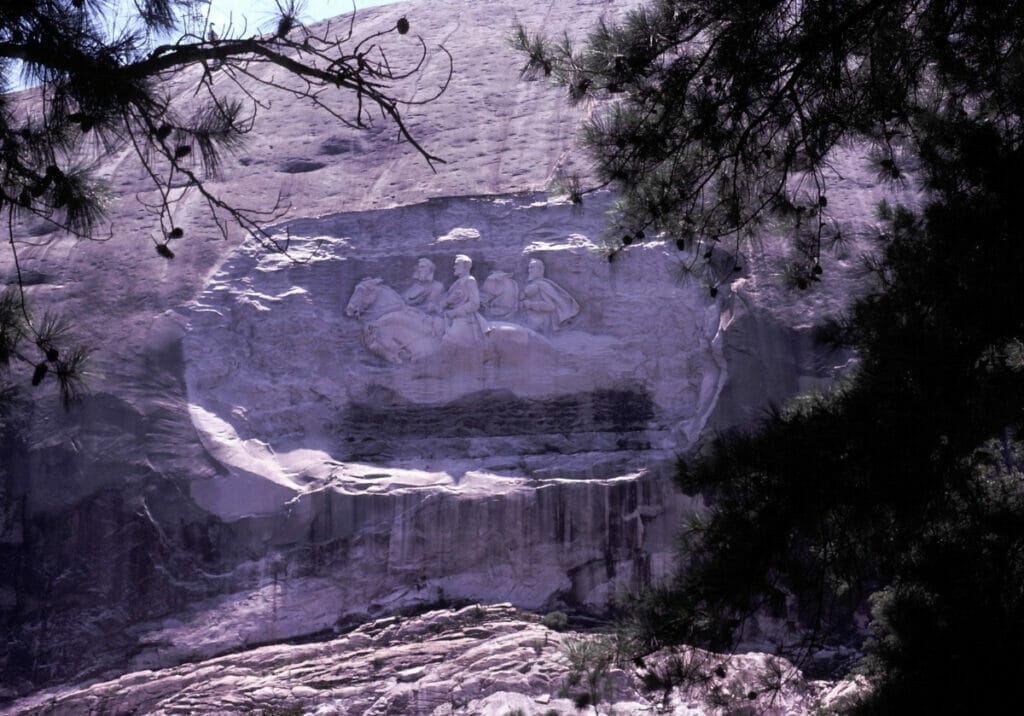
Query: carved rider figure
{"points": [[499, 295], [465, 325], [546, 304], [425, 293]]}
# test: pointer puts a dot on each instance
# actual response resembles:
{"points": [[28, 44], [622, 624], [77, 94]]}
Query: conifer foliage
{"points": [[723, 114], [107, 80], [901, 492]]}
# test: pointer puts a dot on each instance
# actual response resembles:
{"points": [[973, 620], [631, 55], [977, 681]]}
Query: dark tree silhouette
{"points": [[715, 117], [104, 87], [902, 489]]}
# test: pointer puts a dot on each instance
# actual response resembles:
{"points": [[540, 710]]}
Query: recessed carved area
{"points": [[450, 336]]}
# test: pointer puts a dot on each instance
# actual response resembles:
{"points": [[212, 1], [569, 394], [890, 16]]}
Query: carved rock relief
{"points": [[425, 320], [538, 357], [517, 333]]}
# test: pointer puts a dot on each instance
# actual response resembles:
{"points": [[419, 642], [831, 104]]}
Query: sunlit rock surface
{"points": [[248, 468], [477, 660]]}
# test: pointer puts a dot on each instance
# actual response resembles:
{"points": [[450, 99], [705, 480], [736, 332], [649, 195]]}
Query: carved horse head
{"points": [[373, 298], [364, 296]]}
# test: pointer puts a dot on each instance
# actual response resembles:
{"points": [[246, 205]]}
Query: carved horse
{"points": [[391, 329], [399, 333], [499, 295]]}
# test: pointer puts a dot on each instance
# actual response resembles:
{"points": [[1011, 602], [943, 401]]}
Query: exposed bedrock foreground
{"points": [[479, 660]]}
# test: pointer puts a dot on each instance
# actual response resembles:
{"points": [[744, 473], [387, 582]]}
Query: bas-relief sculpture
{"points": [[457, 342], [546, 304], [392, 329], [524, 336], [425, 319], [425, 293], [464, 326], [499, 295]]}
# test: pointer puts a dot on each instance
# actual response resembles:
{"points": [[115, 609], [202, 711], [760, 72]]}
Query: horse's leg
{"points": [[383, 346]]}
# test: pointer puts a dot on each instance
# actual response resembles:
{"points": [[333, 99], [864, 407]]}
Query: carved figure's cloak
{"points": [[548, 304]]}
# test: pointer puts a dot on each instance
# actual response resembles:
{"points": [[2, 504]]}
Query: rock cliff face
{"points": [[268, 453]]}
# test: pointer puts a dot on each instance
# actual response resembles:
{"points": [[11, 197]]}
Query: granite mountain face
{"points": [[275, 446]]}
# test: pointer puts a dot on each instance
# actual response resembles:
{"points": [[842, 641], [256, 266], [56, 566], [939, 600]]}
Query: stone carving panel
{"points": [[387, 324], [449, 327]]}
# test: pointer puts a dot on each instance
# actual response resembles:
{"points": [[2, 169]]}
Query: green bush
{"points": [[556, 621]]}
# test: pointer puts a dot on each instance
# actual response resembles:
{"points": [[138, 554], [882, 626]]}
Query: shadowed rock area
{"points": [[614, 420]]}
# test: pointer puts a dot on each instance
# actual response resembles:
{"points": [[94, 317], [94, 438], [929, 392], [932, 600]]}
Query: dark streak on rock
{"points": [[382, 424]]}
